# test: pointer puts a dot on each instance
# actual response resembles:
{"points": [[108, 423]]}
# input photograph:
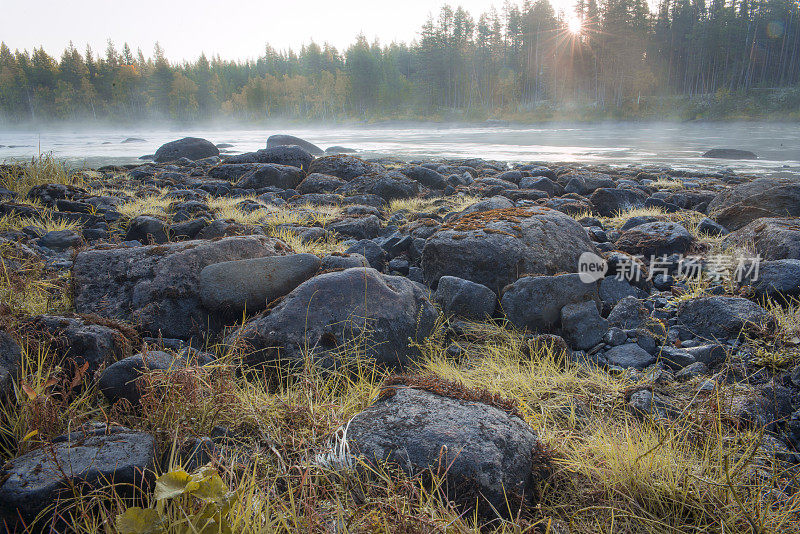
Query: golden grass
{"points": [[26, 288], [666, 183], [432, 205], [319, 247], [44, 222], [44, 169]]}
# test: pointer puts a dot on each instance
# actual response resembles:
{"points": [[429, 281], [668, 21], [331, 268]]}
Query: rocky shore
{"points": [[183, 283]]}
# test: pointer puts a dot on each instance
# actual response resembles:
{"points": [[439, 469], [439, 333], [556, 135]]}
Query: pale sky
{"points": [[235, 29]]}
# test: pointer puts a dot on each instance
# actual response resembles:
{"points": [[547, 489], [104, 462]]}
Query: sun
{"points": [[575, 25]]}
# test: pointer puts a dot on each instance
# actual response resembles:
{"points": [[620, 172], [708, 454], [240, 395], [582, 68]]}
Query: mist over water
{"points": [[678, 145]]}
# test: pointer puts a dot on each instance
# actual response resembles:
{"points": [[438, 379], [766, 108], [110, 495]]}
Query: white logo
{"points": [[591, 267]]}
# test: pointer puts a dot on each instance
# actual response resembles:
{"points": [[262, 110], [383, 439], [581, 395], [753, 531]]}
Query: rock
{"points": [[157, 287], [292, 155], [721, 318], [192, 148], [629, 313], [779, 278], [236, 286], [133, 140], [496, 247], [541, 183], [676, 358], [319, 183], [358, 227], [373, 252], [729, 153], [710, 227], [119, 380], [344, 167], [772, 239], [629, 355], [644, 403], [271, 175], [492, 203], [535, 302], [656, 239], [710, 355], [283, 140], [693, 370], [585, 183], [84, 339], [89, 458], [336, 149], [582, 325], [613, 290], [380, 313], [343, 261], [608, 202], [147, 230], [388, 186], [60, 240], [10, 354], [427, 177], [488, 455], [763, 197], [457, 296]]}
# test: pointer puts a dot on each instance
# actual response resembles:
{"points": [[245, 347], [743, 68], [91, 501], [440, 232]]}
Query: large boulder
{"points": [[721, 318], [457, 296], [608, 201], [157, 287], [496, 247], [656, 239], [764, 197], [388, 185], [284, 140], [427, 177], [271, 175], [319, 183], [91, 457], [344, 167], [729, 153], [770, 238], [193, 148], [292, 155], [239, 285], [488, 455], [358, 308], [585, 183], [779, 278], [535, 302]]}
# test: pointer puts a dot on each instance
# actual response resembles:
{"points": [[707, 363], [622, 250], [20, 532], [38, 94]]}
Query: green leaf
{"points": [[137, 520], [210, 488], [174, 484]]}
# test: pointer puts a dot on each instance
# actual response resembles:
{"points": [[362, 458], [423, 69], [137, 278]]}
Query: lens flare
{"points": [[575, 25]]}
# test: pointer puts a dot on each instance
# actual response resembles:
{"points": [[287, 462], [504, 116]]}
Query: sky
{"points": [[234, 29]]}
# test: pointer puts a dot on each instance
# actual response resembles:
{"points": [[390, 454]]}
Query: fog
{"points": [[679, 145]]}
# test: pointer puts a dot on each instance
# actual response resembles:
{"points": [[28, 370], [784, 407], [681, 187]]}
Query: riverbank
{"points": [[213, 340]]}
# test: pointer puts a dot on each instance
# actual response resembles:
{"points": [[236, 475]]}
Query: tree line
{"points": [[523, 58]]}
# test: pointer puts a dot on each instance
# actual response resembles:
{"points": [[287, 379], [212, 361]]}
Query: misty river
{"points": [[678, 145]]}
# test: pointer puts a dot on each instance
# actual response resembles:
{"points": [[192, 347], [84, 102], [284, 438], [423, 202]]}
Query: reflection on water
{"points": [[617, 144]]}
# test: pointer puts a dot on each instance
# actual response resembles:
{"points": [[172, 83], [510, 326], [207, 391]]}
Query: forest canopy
{"points": [[615, 58]]}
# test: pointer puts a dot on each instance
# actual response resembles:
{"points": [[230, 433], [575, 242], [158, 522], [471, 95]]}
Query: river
{"points": [[678, 145]]}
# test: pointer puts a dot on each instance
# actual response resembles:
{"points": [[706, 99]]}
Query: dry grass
{"points": [[319, 247], [666, 183], [44, 223], [433, 205], [44, 169]]}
